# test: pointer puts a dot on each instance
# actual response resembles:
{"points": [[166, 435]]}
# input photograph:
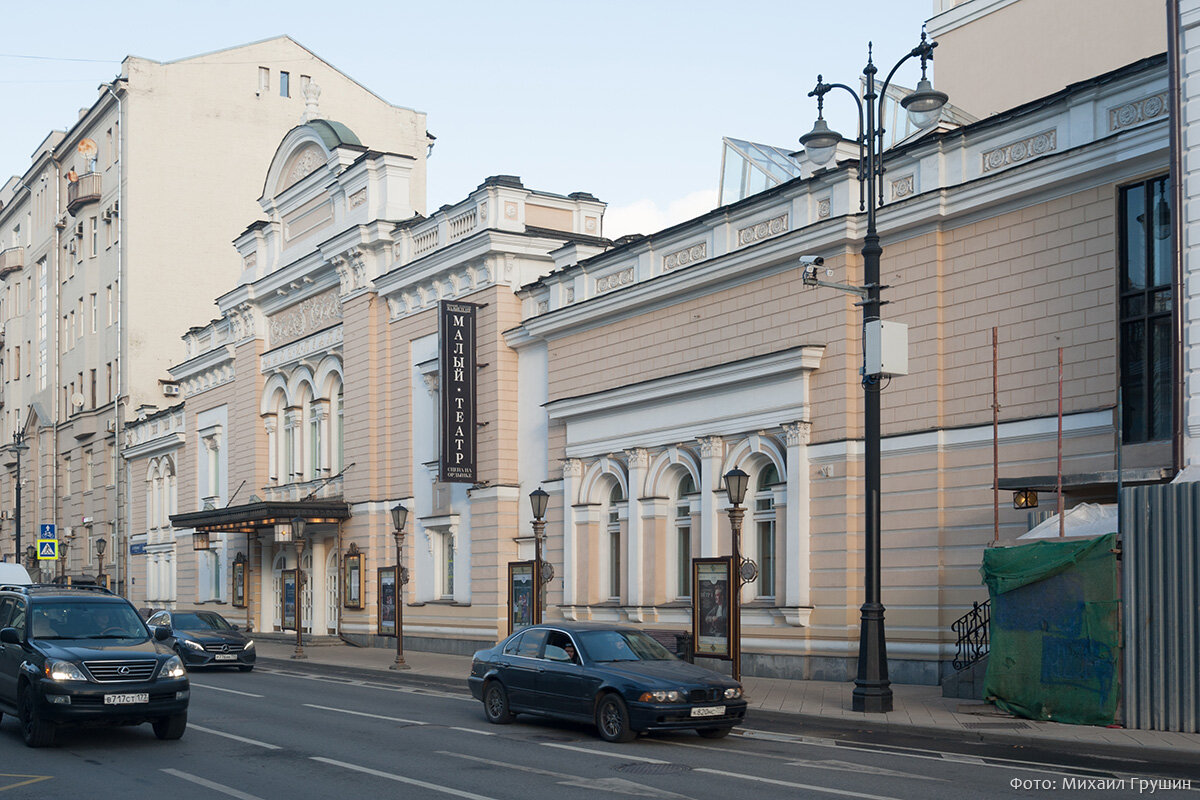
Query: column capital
{"points": [[797, 432], [711, 446], [572, 467], [638, 457]]}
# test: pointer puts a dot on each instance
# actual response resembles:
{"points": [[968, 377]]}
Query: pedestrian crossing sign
{"points": [[47, 549]]}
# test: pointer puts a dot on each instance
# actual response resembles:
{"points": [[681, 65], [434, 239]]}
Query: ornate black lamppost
{"points": [[872, 690], [542, 572], [735, 486], [101, 546], [399, 518]]}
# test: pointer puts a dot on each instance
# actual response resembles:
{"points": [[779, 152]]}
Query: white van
{"points": [[13, 574]]}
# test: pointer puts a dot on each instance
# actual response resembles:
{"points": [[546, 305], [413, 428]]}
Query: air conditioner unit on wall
{"points": [[171, 389], [78, 230], [110, 425]]}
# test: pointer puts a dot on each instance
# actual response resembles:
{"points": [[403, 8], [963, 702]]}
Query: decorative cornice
{"points": [[328, 340], [1031, 146]]}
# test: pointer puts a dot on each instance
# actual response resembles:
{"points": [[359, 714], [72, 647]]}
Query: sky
{"points": [[625, 100]]}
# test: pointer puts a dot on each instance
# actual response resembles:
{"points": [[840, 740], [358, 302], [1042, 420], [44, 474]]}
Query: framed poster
{"points": [[354, 576], [239, 583], [520, 595], [386, 581], [287, 588], [712, 624]]}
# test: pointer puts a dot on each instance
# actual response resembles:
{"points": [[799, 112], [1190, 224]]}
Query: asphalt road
{"points": [[303, 731]]}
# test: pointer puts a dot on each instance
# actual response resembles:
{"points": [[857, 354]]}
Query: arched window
{"points": [[613, 528], [683, 536], [764, 529]]}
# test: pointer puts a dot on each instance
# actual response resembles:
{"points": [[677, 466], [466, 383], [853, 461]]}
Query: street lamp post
{"points": [[538, 499], [31, 562], [101, 546], [736, 481], [872, 690], [399, 518], [297, 525], [18, 447]]}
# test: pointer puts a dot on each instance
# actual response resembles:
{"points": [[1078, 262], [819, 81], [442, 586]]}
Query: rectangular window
{"points": [[683, 535], [92, 393], [264, 80], [93, 236], [108, 232], [88, 475], [285, 89], [1146, 301], [614, 554], [66, 476], [110, 305], [110, 154], [447, 565], [17, 363], [108, 375], [92, 303]]}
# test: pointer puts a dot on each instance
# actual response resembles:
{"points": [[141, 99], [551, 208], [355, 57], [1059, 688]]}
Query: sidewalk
{"points": [[914, 707]]}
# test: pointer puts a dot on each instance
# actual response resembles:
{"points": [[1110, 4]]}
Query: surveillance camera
{"points": [[811, 261]]}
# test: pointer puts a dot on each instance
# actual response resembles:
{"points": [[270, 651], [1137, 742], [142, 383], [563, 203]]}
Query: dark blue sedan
{"points": [[616, 677]]}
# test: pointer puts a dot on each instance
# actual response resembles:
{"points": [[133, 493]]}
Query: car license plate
{"points": [[226, 656], [126, 699], [709, 711]]}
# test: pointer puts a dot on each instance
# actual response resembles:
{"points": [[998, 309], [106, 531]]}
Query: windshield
{"points": [[204, 620], [622, 646], [85, 619]]}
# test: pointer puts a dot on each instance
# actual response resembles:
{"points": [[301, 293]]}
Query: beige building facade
{"points": [[626, 378]]}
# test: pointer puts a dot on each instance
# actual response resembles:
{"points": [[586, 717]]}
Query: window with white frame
{"points": [[683, 537], [613, 528], [444, 545], [88, 471], [764, 530]]}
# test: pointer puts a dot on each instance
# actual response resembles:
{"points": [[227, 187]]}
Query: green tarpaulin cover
{"points": [[1054, 637]]}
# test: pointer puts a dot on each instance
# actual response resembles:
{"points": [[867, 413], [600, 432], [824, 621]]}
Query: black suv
{"points": [[82, 655]]}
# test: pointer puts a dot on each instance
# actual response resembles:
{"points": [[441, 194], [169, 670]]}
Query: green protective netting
{"points": [[1055, 643]]}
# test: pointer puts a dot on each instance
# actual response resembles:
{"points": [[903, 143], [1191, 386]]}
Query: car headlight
{"points": [[63, 671], [734, 693], [249, 645], [193, 645], [671, 696], [173, 668]]}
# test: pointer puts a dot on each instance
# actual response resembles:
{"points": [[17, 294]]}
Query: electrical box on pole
{"points": [[885, 346]]}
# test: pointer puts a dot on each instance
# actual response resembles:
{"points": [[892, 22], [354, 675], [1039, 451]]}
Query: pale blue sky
{"points": [[626, 100]]}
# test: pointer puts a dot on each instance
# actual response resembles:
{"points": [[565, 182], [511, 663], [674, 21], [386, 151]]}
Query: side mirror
{"points": [[237, 627], [161, 633], [10, 636]]}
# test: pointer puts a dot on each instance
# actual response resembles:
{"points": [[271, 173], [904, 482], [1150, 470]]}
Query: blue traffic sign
{"points": [[47, 549], [48, 530]]}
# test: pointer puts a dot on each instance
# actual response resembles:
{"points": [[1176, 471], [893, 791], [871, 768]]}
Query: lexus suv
{"points": [[82, 656]]}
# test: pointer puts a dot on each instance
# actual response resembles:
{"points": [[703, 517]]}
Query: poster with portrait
{"points": [[354, 575], [287, 588], [239, 584], [712, 625], [520, 595], [386, 578]]}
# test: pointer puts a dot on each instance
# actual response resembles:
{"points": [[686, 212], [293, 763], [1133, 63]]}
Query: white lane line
{"points": [[464, 696], [791, 785], [472, 730], [216, 787], [402, 779], [364, 714], [194, 727], [618, 785], [590, 752], [793, 761], [222, 689]]}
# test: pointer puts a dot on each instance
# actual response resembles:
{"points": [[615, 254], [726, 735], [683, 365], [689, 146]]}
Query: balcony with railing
{"points": [[11, 260], [83, 191]]}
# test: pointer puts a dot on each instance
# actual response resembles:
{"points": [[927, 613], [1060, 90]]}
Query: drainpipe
{"points": [[122, 210], [1179, 419]]}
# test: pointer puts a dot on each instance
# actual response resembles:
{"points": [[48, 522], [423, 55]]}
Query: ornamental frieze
{"points": [[688, 255], [323, 342], [762, 230], [305, 317], [1130, 114], [1015, 152], [615, 280]]}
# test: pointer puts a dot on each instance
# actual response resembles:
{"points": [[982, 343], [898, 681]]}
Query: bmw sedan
{"points": [[615, 677], [206, 639]]}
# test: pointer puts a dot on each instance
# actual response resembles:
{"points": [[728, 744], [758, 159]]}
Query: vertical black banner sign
{"points": [[456, 384]]}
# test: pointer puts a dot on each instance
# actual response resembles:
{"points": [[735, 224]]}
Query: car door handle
{"points": [[541, 669]]}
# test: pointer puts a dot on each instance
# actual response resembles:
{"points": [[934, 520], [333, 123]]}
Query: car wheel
{"points": [[171, 727], [245, 667], [714, 733], [495, 704], [612, 718], [36, 731]]}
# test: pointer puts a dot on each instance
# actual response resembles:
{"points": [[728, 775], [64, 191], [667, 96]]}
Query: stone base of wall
{"points": [[422, 644], [825, 668]]}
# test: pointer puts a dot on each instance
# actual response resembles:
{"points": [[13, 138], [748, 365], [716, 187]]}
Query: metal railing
{"points": [[82, 191], [972, 630]]}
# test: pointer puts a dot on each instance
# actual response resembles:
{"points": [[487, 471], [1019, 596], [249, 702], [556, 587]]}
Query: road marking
{"points": [[364, 714], [602, 753], [792, 761], [401, 779], [472, 730], [466, 697], [221, 689], [619, 785], [32, 779], [791, 785], [236, 738], [216, 787]]}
